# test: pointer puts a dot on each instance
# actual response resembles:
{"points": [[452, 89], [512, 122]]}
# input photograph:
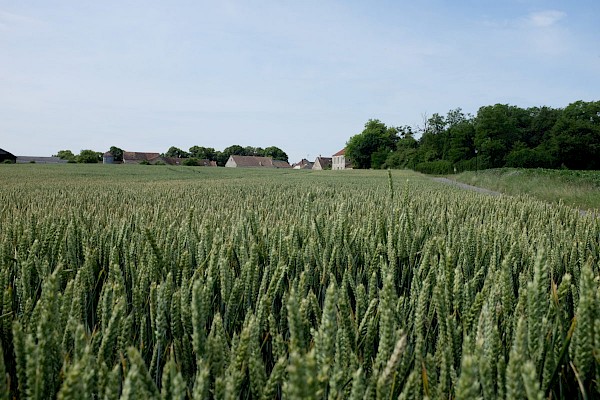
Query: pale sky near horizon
{"points": [[300, 75]]}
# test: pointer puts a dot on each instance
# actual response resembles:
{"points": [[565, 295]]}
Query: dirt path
{"points": [[467, 187]]}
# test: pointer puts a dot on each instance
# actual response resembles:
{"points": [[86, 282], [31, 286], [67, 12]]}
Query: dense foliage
{"points": [[498, 136], [220, 283]]}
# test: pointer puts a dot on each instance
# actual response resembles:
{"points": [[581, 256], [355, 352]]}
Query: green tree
{"points": [[117, 153], [276, 153], [234, 150], [433, 139], [254, 151], [576, 136], [89, 157], [200, 152], [375, 138], [176, 153], [462, 141], [65, 155], [497, 128], [542, 120], [191, 162]]}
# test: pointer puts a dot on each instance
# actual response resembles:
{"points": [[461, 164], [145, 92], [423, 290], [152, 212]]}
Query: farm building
{"points": [[134, 157], [40, 160], [108, 158], [255, 162], [304, 164], [6, 156], [339, 161], [322, 163]]}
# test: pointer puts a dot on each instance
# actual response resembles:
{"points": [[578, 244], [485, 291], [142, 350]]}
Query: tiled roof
{"points": [[340, 153], [281, 164], [255, 161], [323, 161], [134, 156], [252, 161]]}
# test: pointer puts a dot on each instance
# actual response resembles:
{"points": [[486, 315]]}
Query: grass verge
{"points": [[580, 189]]}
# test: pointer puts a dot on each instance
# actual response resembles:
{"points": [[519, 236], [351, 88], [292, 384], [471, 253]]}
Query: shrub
{"points": [[435, 167]]}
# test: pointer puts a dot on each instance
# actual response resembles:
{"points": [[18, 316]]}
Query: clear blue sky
{"points": [[300, 75]]}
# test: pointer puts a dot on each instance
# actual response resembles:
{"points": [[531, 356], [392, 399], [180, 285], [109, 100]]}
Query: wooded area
{"points": [[500, 135]]}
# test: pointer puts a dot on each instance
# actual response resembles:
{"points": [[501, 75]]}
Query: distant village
{"points": [[337, 161]]}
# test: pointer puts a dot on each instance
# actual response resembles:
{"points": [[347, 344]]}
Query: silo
{"points": [[108, 158]]}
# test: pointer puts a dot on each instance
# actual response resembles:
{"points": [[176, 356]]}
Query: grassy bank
{"points": [[579, 189]]}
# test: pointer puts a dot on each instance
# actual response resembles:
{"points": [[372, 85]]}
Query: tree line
{"points": [[500, 135], [195, 153], [221, 157]]}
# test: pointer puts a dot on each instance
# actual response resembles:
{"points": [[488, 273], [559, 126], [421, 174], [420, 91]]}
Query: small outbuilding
{"points": [[303, 164], [108, 158]]}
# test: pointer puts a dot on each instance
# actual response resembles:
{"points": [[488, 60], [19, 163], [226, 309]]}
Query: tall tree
{"points": [[203, 153], [276, 153], [117, 153], [65, 155], [497, 127], [576, 136], [89, 157], [176, 153], [376, 139]]}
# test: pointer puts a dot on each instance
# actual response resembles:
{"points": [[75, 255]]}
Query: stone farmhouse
{"points": [[339, 161]]}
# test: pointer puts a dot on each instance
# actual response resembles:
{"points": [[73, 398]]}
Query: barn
{"points": [[5, 156]]}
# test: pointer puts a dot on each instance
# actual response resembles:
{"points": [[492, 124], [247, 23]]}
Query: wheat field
{"points": [[156, 282]]}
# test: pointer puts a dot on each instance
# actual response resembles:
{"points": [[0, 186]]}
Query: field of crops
{"points": [[127, 282]]}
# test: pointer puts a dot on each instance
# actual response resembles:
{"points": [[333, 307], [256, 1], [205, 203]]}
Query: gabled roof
{"points": [[281, 164], [323, 161], [340, 153], [303, 164], [6, 153], [134, 156], [255, 161], [252, 161]]}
